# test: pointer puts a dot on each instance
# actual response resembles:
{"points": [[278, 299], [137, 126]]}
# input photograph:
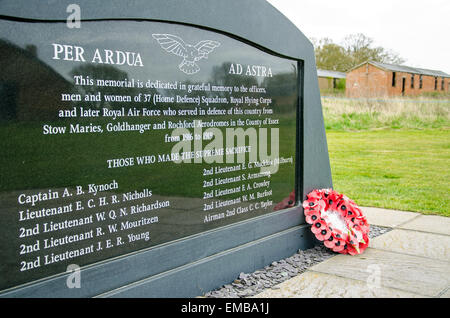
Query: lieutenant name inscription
{"points": [[115, 145]]}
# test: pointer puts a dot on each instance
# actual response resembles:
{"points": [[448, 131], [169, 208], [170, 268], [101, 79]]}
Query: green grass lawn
{"points": [[391, 153], [395, 169]]}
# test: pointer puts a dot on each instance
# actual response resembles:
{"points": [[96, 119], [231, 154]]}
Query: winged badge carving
{"points": [[190, 53]]}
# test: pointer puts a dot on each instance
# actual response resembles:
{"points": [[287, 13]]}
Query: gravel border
{"points": [[251, 284]]}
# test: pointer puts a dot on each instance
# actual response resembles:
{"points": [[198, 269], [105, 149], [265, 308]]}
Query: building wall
{"points": [[367, 81], [428, 84], [370, 81], [326, 83]]}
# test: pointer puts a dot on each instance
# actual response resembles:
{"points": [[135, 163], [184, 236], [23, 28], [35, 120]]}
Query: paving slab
{"points": [[319, 285], [387, 218], [411, 260], [429, 223], [414, 274], [434, 246]]}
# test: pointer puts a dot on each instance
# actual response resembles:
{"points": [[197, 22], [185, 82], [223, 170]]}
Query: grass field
{"points": [[392, 155], [400, 113]]}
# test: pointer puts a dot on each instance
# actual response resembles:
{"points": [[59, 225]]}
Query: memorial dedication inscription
{"points": [[124, 135]]}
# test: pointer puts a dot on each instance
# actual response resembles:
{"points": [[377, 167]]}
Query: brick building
{"points": [[374, 79]]}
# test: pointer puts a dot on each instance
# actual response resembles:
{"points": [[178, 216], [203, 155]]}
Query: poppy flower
{"points": [[324, 234], [337, 221], [319, 206], [362, 223], [333, 199], [312, 217], [352, 212], [364, 243], [314, 195], [310, 204], [330, 242], [345, 250], [339, 246], [340, 235], [311, 210], [318, 226], [346, 209], [333, 205]]}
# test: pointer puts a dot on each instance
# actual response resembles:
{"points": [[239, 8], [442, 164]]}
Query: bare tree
{"points": [[355, 49], [360, 48]]}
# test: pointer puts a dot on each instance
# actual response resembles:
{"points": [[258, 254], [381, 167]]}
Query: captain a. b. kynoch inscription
{"points": [[133, 134]]}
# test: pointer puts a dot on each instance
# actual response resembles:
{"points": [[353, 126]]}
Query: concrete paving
{"points": [[432, 246], [411, 260], [388, 218], [429, 223]]}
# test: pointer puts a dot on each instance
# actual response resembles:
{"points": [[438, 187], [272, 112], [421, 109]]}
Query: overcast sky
{"points": [[417, 30]]}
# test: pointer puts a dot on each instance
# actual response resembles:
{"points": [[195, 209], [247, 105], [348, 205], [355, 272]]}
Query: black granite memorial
{"points": [[155, 149]]}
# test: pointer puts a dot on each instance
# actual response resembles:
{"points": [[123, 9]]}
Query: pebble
{"points": [[251, 284]]}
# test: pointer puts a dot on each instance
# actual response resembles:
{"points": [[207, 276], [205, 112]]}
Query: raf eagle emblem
{"points": [[189, 53]]}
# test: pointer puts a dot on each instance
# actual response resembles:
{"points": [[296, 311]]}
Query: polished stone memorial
{"points": [[153, 150]]}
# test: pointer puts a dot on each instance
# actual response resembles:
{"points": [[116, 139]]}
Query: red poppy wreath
{"points": [[337, 221]]}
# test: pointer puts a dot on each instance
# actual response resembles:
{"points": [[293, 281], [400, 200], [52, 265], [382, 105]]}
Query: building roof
{"points": [[326, 73], [405, 69]]}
